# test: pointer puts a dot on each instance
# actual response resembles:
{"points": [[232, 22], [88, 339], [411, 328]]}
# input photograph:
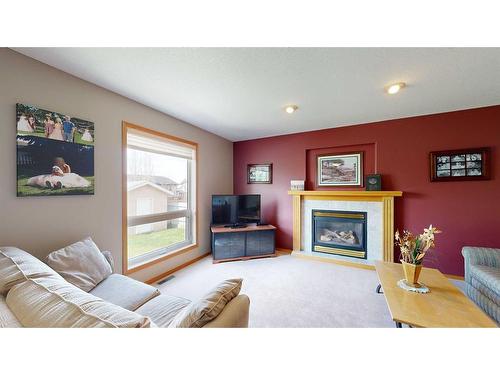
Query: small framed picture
{"points": [[460, 165], [259, 174], [340, 170], [297, 185]]}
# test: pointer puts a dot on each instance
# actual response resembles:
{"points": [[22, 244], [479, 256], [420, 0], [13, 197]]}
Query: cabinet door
{"points": [[260, 242], [229, 245]]}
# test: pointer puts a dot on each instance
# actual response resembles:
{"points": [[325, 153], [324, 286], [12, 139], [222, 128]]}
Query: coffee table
{"points": [[444, 306]]}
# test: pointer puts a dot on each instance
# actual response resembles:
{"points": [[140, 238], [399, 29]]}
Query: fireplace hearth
{"points": [[340, 232]]}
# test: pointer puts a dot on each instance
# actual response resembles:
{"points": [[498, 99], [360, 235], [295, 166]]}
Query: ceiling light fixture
{"points": [[291, 108], [394, 88]]}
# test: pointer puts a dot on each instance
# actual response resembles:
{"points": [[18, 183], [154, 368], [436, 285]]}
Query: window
{"points": [[159, 196]]}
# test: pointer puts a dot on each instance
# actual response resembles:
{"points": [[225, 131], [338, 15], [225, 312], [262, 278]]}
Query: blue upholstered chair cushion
{"points": [[124, 291], [487, 281]]}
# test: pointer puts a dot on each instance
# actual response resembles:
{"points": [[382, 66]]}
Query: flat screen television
{"points": [[235, 209]]}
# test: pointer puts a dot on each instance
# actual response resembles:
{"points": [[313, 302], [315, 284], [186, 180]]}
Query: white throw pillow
{"points": [[199, 313], [50, 302], [81, 264], [17, 265]]}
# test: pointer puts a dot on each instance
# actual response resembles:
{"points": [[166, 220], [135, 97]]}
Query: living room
{"points": [[307, 186]]}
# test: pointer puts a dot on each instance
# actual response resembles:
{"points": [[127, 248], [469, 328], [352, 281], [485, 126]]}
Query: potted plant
{"points": [[413, 250]]}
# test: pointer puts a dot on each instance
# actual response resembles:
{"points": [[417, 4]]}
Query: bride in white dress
{"points": [[87, 137], [57, 133], [23, 125], [58, 180], [72, 180], [44, 180]]}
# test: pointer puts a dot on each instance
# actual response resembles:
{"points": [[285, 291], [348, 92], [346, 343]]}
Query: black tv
{"points": [[235, 209]]}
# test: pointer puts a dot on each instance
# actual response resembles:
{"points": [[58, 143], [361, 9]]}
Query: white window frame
{"points": [[190, 213]]}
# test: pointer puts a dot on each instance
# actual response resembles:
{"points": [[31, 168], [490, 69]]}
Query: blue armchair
{"points": [[482, 278]]}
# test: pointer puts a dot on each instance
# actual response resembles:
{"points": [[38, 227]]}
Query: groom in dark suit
{"points": [[68, 129]]}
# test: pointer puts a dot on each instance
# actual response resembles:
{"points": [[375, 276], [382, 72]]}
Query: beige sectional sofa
{"points": [[32, 294]]}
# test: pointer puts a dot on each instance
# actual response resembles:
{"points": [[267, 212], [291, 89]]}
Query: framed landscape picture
{"points": [[55, 153], [460, 165], [340, 170], [260, 174]]}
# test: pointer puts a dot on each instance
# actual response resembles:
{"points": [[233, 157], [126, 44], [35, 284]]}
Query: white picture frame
{"points": [[340, 170]]}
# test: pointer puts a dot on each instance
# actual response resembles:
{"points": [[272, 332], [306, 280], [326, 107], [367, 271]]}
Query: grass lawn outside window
{"points": [[139, 244]]}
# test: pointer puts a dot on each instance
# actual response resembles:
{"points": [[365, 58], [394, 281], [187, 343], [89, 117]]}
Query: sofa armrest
{"points": [[480, 256], [234, 315]]}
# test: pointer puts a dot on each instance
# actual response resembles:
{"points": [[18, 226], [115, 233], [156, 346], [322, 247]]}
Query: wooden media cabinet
{"points": [[250, 242]]}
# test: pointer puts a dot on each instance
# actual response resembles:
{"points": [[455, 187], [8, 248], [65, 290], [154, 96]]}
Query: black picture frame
{"points": [[260, 173], [460, 165]]}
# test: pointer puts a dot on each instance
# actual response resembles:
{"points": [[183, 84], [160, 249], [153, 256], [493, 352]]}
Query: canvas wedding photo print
{"points": [[55, 153]]}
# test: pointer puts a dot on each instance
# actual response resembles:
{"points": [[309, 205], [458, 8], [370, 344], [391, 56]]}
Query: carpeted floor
{"points": [[291, 292]]}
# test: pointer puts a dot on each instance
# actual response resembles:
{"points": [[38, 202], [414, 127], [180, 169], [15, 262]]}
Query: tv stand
{"points": [[242, 243], [234, 226]]}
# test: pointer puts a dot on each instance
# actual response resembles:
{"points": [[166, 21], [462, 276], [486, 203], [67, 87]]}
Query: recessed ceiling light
{"points": [[291, 108], [394, 88]]}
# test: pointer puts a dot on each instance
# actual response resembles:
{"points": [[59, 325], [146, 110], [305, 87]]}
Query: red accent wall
{"points": [[468, 212]]}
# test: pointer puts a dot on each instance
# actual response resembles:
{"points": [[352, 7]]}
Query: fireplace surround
{"points": [[379, 209]]}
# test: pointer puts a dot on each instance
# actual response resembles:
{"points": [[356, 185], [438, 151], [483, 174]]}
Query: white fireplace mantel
{"points": [[380, 205]]}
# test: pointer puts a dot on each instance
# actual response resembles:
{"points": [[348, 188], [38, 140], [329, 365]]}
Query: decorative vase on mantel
{"points": [[412, 272]]}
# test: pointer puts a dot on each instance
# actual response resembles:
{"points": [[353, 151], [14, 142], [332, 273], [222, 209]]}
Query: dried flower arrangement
{"points": [[413, 248]]}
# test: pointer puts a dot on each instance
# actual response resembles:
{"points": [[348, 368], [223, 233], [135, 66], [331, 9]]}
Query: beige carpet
{"points": [[291, 292]]}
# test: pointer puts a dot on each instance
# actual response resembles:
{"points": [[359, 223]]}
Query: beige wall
{"points": [[42, 224]]}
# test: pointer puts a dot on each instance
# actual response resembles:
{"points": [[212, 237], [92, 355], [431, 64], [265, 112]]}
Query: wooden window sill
{"points": [[160, 259]]}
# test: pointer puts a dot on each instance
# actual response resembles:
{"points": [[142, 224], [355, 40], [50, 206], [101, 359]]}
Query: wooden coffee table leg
{"points": [[379, 287]]}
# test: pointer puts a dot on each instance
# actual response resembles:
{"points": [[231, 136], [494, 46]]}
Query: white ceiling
{"points": [[239, 93]]}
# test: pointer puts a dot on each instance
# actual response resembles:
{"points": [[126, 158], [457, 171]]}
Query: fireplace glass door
{"points": [[340, 232]]}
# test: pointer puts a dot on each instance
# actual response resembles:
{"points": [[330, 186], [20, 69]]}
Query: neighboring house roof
{"points": [[182, 185], [138, 184], [160, 180]]}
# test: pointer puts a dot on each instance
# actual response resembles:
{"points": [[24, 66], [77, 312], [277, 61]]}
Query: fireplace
{"points": [[339, 232]]}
